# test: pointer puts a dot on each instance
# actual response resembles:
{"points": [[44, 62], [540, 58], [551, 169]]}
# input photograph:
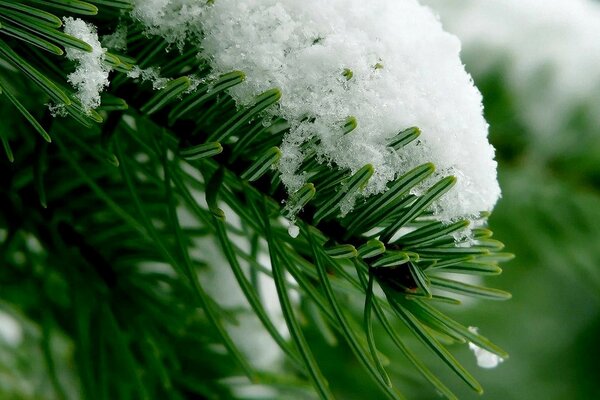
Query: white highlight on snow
{"points": [[548, 52], [485, 359], [406, 71], [91, 75]]}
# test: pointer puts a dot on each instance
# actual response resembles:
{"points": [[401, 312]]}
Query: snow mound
{"points": [[388, 63]]}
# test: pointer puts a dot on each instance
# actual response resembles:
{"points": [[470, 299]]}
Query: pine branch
{"points": [[109, 214]]}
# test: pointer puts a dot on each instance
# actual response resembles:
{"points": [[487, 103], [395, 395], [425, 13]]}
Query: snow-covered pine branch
{"points": [[405, 71]]}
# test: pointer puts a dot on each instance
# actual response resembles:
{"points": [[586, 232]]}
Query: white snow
{"points": [[151, 74], [546, 51], [485, 359], [406, 71], [175, 20], [116, 40], [91, 75]]}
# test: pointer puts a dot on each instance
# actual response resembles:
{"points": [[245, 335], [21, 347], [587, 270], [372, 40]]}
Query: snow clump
{"points": [[388, 63], [90, 77]]}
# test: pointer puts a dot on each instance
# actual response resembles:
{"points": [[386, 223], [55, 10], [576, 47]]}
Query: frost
{"points": [[386, 62], [57, 110], [116, 40], [485, 359], [151, 74], [91, 75], [547, 51]]}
